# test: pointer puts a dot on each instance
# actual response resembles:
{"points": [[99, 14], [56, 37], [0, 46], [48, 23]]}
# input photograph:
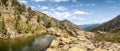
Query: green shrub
{"points": [[17, 24], [28, 18], [49, 24], [38, 19], [3, 29], [0, 14], [28, 29], [4, 2]]}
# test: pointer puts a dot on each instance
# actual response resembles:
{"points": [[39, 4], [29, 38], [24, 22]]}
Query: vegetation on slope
{"points": [[107, 37], [112, 26], [18, 19]]}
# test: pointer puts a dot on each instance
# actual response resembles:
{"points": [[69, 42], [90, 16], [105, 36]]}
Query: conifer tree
{"points": [[4, 30]]}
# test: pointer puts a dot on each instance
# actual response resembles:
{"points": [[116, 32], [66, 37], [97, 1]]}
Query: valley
{"points": [[25, 29]]}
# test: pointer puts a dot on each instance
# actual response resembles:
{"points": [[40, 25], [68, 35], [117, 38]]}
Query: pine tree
{"points": [[4, 2], [17, 24], [38, 19], [4, 30], [48, 25], [29, 9], [28, 18]]}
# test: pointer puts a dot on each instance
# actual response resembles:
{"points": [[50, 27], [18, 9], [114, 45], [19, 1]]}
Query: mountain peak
{"points": [[65, 20]]}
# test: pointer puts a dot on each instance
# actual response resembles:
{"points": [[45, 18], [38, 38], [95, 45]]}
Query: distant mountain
{"points": [[112, 26], [88, 26]]}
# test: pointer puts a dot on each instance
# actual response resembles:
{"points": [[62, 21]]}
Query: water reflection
{"points": [[27, 44]]}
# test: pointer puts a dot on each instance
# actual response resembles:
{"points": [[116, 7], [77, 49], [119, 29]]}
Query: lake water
{"points": [[31, 43]]}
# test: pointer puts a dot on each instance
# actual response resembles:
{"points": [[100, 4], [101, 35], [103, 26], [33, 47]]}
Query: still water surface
{"points": [[31, 43]]}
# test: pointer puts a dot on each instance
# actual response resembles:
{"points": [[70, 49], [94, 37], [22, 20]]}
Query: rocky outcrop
{"points": [[70, 27], [72, 43], [108, 46], [82, 42], [57, 32]]}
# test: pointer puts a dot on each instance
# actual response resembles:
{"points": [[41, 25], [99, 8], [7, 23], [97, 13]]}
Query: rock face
{"points": [[70, 43], [70, 27], [82, 42]]}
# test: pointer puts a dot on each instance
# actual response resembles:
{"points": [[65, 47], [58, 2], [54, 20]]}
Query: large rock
{"points": [[77, 49], [99, 49], [66, 47], [57, 32], [54, 43], [51, 49]]}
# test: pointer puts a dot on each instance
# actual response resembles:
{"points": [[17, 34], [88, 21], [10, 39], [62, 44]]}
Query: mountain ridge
{"points": [[110, 26], [88, 26]]}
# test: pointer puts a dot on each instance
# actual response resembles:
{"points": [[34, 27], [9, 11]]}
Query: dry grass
{"points": [[107, 37]]}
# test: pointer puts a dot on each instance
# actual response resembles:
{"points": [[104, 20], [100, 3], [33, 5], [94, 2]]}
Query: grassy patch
{"points": [[107, 37]]}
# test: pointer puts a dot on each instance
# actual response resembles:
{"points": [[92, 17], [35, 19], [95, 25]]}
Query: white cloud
{"points": [[51, 0], [70, 15], [78, 18], [110, 1], [90, 4], [23, 1], [81, 19], [61, 15], [75, 14], [74, 0], [52, 9], [39, 0], [33, 7], [83, 4], [59, 0], [80, 12], [44, 7], [46, 12], [58, 15], [61, 8], [66, 15]]}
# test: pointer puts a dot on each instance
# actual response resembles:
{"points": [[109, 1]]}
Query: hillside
{"points": [[16, 18], [112, 26], [88, 26]]}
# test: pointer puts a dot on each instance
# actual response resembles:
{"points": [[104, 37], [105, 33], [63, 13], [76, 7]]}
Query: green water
{"points": [[31, 43]]}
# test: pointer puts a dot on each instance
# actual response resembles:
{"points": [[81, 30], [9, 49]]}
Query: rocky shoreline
{"points": [[14, 36], [83, 42]]}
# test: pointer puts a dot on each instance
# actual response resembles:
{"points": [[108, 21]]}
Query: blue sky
{"points": [[77, 11]]}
